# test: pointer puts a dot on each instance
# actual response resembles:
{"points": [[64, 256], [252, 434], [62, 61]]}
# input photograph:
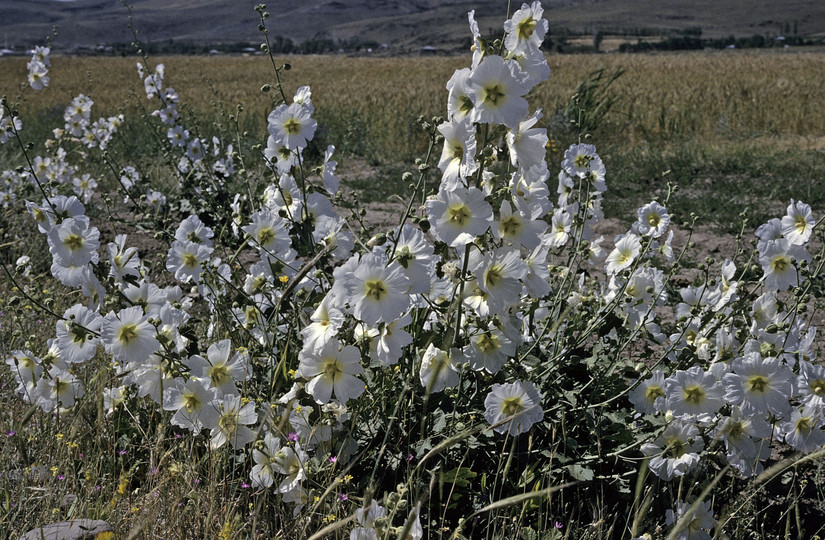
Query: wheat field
{"points": [[731, 94]]}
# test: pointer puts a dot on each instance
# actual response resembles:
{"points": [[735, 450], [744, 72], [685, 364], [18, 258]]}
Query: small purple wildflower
{"points": [[244, 485], [342, 497], [10, 433], [292, 437]]}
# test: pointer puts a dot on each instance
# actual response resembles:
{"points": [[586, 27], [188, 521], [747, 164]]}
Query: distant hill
{"points": [[403, 25]]}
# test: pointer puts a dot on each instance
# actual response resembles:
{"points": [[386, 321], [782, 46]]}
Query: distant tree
{"points": [[598, 37]]}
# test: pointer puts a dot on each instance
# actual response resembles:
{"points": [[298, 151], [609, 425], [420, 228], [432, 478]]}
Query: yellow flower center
{"points": [[493, 93], [758, 383], [803, 425], [493, 275], [459, 214], [487, 343], [465, 104], [525, 28], [675, 447], [694, 395], [511, 226], [292, 126], [190, 260], [228, 422], [780, 264], [218, 375], [654, 392], [736, 430], [375, 289], [800, 224], [127, 333], [457, 151], [191, 401], [511, 406], [331, 368], [266, 235], [73, 242]]}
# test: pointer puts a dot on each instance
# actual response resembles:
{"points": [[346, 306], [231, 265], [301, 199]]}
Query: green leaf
{"points": [[580, 473], [460, 477]]}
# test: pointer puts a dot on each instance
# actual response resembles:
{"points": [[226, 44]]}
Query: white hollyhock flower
{"points": [[331, 181], [128, 336], [777, 263], [303, 97], [192, 229], [192, 403], [186, 260], [376, 291], [560, 228], [387, 347], [496, 87], [811, 384], [74, 243], [290, 462], [458, 216], [57, 387], [760, 385], [439, 369], [326, 320], [268, 231], [488, 349], [232, 418], [517, 228], [652, 220], [459, 103], [694, 392], [25, 365], [623, 255], [221, 368], [123, 261], [527, 144], [331, 371], [694, 528], [676, 451], [798, 223], [291, 125], [263, 472], [458, 155], [514, 406], [281, 158], [803, 430], [77, 334], [525, 30], [649, 396], [499, 274]]}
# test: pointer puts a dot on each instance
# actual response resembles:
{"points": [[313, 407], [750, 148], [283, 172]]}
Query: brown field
{"points": [[702, 94]]}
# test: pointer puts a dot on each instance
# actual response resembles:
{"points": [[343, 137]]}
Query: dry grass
{"points": [[706, 95]]}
